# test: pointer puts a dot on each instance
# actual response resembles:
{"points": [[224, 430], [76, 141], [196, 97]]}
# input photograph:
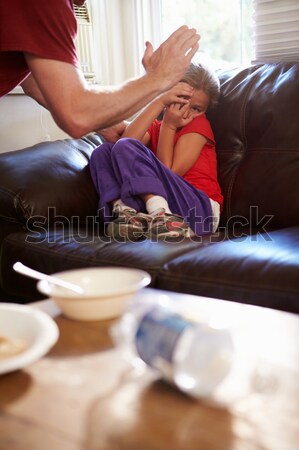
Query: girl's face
{"points": [[199, 102]]}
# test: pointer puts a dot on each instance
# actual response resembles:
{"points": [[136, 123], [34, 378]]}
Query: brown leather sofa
{"points": [[48, 205]]}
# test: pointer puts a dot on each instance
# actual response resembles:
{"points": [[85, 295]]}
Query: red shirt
{"points": [[203, 174], [46, 28]]}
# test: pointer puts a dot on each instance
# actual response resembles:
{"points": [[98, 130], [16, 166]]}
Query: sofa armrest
{"points": [[48, 180]]}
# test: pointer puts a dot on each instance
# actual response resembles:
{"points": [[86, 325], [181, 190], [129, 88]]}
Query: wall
{"points": [[23, 123]]}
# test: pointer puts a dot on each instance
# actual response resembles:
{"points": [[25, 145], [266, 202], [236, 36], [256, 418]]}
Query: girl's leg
{"points": [[133, 166], [105, 182], [127, 223], [139, 172]]}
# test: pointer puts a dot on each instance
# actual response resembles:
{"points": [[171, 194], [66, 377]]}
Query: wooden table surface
{"points": [[83, 396]]}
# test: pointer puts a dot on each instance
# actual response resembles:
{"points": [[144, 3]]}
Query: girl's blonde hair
{"points": [[201, 77]]}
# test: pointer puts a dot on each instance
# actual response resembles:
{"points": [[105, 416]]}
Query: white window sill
{"points": [[17, 91]]}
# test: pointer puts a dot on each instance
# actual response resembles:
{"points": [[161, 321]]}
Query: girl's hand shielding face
{"points": [[180, 93], [178, 116]]}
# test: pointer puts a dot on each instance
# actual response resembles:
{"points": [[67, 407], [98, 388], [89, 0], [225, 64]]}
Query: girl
{"points": [[160, 179]]}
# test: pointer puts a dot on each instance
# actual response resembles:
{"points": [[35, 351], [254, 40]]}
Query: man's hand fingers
{"points": [[170, 61], [185, 38], [181, 34], [192, 51], [147, 54]]}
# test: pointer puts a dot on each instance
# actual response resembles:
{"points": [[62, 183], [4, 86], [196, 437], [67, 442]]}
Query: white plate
{"points": [[35, 327]]}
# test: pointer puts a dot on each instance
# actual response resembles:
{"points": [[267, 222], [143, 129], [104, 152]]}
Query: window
{"points": [[84, 41], [233, 32], [225, 27], [276, 30], [120, 29]]}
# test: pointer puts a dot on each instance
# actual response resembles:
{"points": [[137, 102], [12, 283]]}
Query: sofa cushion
{"points": [[48, 182], [261, 269], [63, 249]]}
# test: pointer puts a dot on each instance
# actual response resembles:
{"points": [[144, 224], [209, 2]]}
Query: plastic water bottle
{"points": [[193, 355]]}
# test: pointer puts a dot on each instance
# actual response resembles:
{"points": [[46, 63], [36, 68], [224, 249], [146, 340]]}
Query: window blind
{"points": [[276, 30], [84, 41]]}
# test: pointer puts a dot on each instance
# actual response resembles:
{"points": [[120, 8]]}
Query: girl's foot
{"points": [[164, 226], [129, 225]]}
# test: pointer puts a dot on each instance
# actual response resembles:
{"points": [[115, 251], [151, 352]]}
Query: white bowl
{"points": [[106, 291], [36, 329]]}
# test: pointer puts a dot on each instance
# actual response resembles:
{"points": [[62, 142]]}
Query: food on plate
{"points": [[11, 346]]}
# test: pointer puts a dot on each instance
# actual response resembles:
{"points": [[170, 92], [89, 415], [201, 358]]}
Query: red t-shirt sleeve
{"points": [[200, 125], [46, 28]]}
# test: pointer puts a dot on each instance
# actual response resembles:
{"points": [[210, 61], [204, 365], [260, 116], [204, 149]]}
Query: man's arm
{"points": [[78, 108], [31, 88]]}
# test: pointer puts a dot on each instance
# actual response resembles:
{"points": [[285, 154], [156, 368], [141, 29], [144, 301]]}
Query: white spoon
{"points": [[21, 268]]}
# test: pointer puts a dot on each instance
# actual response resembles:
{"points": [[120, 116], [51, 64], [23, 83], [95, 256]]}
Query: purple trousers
{"points": [[128, 169]]}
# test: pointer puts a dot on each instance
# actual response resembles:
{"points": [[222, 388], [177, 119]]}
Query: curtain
{"points": [[121, 28], [276, 30]]}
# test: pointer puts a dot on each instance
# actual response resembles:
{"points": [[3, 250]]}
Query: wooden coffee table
{"points": [[83, 396]]}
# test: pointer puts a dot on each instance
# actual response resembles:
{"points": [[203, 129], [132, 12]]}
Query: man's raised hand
{"points": [[171, 59]]}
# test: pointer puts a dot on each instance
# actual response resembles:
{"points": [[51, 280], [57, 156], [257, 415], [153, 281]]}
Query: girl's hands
{"points": [[177, 116], [180, 93]]}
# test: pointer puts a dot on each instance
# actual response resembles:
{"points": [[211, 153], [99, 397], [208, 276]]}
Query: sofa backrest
{"points": [[256, 126]]}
